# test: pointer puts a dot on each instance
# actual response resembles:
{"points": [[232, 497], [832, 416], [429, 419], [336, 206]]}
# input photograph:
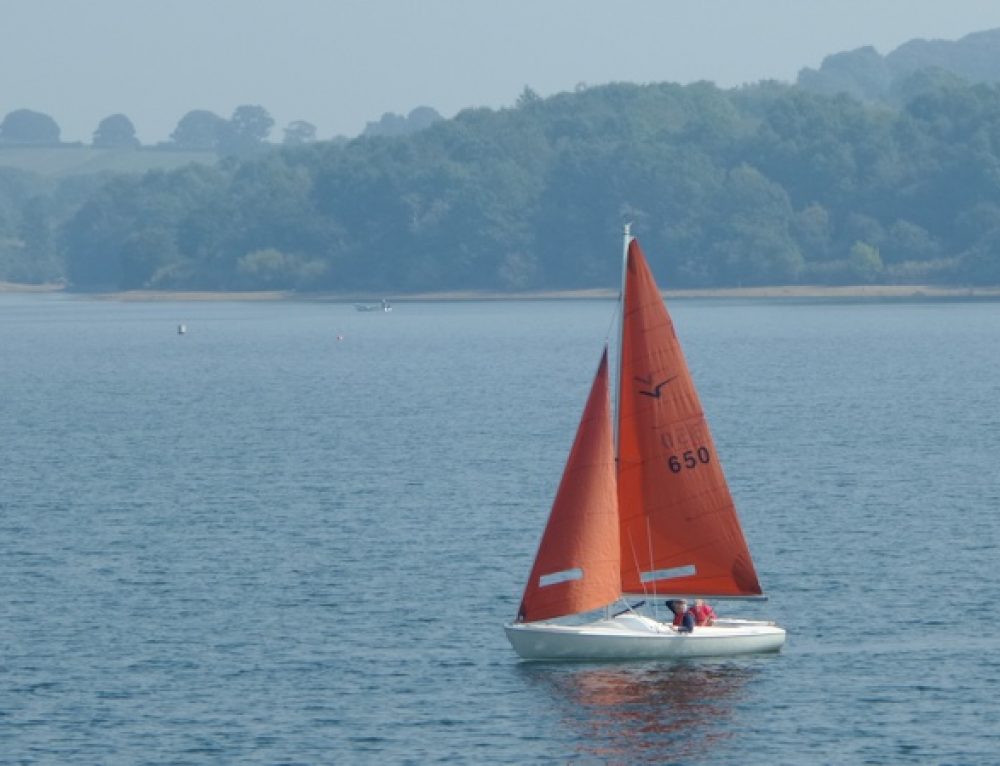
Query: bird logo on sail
{"points": [[648, 382]]}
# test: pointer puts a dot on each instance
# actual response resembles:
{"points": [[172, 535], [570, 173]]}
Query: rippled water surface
{"points": [[256, 543]]}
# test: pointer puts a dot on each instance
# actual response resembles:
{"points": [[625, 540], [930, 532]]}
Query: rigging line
{"points": [[612, 323], [616, 312], [638, 569], [652, 562]]}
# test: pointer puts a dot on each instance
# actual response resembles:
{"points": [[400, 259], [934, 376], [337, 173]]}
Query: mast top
{"points": [[627, 238]]}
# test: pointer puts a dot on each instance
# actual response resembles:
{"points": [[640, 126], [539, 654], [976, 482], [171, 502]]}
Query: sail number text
{"points": [[690, 459]]}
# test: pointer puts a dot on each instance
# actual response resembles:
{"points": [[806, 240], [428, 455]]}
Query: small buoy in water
{"points": [[340, 337], [181, 329]]}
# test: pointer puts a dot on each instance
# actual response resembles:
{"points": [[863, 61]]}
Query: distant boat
{"points": [[181, 329], [383, 306], [643, 512]]}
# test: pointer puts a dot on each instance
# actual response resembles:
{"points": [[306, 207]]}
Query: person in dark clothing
{"points": [[684, 619]]}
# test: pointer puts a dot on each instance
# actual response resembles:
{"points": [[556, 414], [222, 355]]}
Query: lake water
{"points": [[256, 543]]}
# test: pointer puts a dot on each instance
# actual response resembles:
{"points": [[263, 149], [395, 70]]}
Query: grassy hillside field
{"points": [[58, 161]]}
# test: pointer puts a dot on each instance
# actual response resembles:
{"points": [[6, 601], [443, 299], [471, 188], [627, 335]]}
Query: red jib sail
{"points": [[679, 531], [576, 568]]}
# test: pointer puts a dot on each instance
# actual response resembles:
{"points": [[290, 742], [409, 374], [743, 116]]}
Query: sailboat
{"points": [[384, 306], [643, 511]]}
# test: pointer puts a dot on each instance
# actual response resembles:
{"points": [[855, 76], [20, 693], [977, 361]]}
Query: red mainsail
{"points": [[679, 532], [576, 568]]}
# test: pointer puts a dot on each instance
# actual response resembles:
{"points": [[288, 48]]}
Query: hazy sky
{"points": [[341, 63]]}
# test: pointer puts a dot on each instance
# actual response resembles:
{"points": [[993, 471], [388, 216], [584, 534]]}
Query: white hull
{"points": [[635, 637]]}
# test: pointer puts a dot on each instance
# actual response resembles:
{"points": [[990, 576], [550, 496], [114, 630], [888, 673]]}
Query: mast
{"points": [[627, 238]]}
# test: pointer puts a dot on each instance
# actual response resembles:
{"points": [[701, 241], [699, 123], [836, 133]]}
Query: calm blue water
{"points": [[258, 544]]}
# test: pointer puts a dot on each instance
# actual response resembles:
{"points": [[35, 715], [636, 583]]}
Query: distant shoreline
{"points": [[18, 287], [778, 291]]}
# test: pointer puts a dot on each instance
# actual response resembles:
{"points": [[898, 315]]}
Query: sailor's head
{"points": [[682, 604]]}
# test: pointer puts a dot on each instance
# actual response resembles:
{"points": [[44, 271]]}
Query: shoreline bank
{"points": [[779, 291]]}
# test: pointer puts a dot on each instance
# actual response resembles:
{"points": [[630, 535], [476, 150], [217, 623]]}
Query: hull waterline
{"points": [[634, 637]]}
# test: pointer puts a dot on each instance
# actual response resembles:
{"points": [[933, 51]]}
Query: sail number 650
{"points": [[690, 459]]}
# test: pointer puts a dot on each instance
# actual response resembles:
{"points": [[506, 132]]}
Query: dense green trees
{"points": [[867, 75], [32, 210], [243, 134], [767, 184], [397, 125]]}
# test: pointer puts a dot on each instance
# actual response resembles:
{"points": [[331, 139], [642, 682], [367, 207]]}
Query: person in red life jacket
{"points": [[703, 613], [684, 619]]}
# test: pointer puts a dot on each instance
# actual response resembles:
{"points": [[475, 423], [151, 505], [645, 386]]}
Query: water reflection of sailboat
{"points": [[654, 714]]}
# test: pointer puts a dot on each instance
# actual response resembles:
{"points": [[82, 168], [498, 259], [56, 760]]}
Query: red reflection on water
{"points": [[663, 713]]}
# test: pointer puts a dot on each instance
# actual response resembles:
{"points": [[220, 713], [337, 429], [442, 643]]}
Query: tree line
{"points": [[869, 76], [763, 184], [198, 130], [246, 131]]}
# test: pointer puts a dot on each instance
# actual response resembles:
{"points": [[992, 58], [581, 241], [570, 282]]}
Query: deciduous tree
{"points": [[115, 132], [299, 132], [199, 130], [23, 126], [248, 128]]}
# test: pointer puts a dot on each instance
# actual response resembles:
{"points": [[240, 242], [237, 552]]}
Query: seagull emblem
{"points": [[655, 393]]}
